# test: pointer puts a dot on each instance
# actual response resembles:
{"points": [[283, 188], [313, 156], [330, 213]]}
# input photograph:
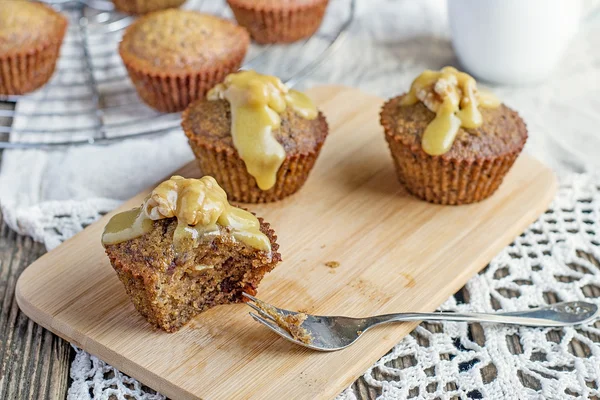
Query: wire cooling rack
{"points": [[90, 99]]}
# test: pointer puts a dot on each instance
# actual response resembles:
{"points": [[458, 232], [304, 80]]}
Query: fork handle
{"points": [[560, 314]]}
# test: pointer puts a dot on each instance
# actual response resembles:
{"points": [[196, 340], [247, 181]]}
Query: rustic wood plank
{"points": [[34, 363]]}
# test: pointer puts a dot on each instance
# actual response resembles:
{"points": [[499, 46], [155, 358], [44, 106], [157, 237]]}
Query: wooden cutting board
{"points": [[396, 253]]}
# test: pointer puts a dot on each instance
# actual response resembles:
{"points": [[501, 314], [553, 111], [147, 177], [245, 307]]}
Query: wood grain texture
{"points": [[34, 363], [396, 253]]}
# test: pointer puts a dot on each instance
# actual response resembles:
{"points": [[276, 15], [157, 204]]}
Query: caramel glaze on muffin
{"points": [[207, 124], [145, 6], [30, 38], [279, 21], [174, 56], [474, 166], [186, 249]]}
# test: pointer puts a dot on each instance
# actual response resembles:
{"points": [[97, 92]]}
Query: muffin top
{"points": [[210, 121], [201, 209], [17, 19], [262, 117], [446, 115], [181, 41], [276, 4], [501, 131]]}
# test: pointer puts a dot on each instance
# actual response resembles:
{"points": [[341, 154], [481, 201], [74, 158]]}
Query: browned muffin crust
{"points": [[169, 291], [28, 56], [470, 171], [174, 57], [145, 6], [502, 131], [178, 41], [207, 124], [210, 121], [279, 21]]}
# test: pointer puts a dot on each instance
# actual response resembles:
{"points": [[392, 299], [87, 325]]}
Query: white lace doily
{"points": [[546, 264]]}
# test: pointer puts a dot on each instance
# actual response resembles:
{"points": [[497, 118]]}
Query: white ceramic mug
{"points": [[512, 41]]}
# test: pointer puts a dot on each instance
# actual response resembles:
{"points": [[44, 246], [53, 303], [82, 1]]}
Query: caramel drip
{"points": [[201, 209], [256, 104], [125, 226], [454, 97]]}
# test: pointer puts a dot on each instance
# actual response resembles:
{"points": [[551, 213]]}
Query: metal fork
{"points": [[336, 333]]}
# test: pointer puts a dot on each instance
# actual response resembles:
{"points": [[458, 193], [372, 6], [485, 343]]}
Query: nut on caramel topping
{"points": [[191, 201], [454, 97], [201, 209]]}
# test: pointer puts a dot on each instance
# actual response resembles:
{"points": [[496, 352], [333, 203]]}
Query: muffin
{"points": [[277, 21], [258, 138], [145, 6], [174, 57], [451, 144], [28, 56], [186, 249]]}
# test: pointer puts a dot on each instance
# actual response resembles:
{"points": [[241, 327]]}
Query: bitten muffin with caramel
{"points": [[174, 57], [186, 249], [279, 21], [258, 138], [145, 6], [451, 143], [30, 38]]}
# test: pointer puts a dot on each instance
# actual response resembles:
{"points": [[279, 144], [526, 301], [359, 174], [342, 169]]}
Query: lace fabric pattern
{"points": [[556, 259]]}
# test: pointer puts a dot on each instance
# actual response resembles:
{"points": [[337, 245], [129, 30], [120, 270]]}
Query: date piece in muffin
{"points": [[451, 143], [258, 138], [30, 38], [145, 6], [174, 57], [186, 249], [279, 21]]}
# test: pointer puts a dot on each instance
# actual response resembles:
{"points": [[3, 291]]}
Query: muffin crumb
{"points": [[291, 323], [332, 264]]}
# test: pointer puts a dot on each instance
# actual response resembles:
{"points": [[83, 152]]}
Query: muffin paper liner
{"points": [[174, 92], [226, 166], [145, 6], [446, 181], [283, 25], [24, 71]]}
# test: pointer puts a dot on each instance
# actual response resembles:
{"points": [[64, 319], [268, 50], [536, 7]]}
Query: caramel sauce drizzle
{"points": [[454, 97], [201, 209], [256, 104]]}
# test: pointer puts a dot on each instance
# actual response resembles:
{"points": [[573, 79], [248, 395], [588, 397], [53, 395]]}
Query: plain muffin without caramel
{"points": [[145, 6], [30, 38], [174, 57], [279, 21]]}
